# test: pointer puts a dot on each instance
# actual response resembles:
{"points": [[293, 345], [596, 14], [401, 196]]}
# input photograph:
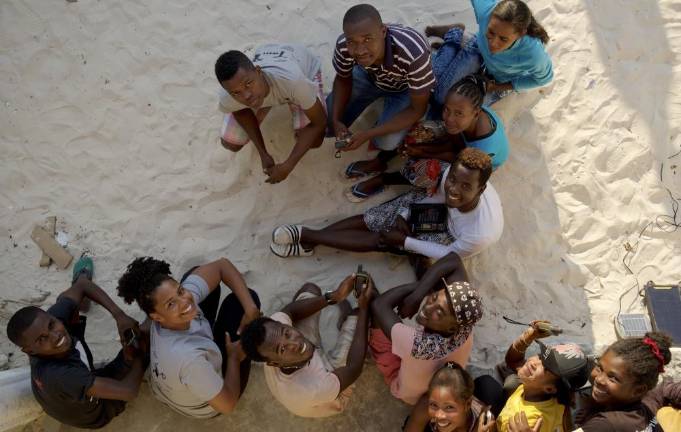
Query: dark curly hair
{"points": [[476, 159], [643, 364], [141, 279], [253, 336], [229, 63]]}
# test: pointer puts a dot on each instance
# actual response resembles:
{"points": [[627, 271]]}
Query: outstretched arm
{"points": [[249, 122], [301, 309], [310, 136], [349, 373]]}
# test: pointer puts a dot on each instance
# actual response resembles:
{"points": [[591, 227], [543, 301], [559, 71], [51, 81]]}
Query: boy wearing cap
{"points": [[408, 356], [547, 383]]}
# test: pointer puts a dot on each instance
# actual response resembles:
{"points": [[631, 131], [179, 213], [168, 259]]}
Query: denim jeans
{"points": [[364, 92]]}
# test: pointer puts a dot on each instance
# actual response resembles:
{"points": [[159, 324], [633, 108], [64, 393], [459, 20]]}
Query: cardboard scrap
{"points": [[51, 228], [49, 245]]}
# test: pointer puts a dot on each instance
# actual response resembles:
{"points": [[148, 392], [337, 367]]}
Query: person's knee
{"points": [[390, 142], [310, 288], [229, 146]]}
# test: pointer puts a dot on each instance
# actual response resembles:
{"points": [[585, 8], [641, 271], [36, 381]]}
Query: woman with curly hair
{"points": [[196, 365], [625, 396]]}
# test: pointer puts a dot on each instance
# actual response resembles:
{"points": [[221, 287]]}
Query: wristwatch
{"points": [[328, 296]]}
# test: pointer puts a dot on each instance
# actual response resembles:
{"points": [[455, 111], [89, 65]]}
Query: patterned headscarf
{"points": [[467, 308]]}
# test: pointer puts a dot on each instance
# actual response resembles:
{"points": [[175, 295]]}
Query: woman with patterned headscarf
{"points": [[408, 356]]}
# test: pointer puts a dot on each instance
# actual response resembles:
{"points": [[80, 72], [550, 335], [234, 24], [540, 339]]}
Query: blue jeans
{"points": [[364, 92], [458, 57]]}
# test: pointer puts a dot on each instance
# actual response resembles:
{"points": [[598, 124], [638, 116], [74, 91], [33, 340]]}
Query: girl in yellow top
{"points": [[542, 400]]}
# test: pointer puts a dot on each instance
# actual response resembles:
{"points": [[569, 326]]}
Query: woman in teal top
{"points": [[509, 46], [432, 146]]}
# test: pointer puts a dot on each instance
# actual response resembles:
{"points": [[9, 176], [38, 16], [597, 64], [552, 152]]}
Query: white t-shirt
{"points": [[308, 392], [473, 231], [290, 71], [185, 366]]}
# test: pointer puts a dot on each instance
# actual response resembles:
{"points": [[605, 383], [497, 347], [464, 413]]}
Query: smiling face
{"points": [[248, 87], [365, 41], [500, 35], [612, 383], [174, 306], [436, 314], [446, 411], [458, 113], [285, 346], [46, 337], [462, 188], [537, 379]]}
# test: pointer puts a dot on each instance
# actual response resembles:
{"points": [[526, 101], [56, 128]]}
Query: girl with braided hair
{"points": [[625, 396], [196, 365], [509, 47], [466, 122]]}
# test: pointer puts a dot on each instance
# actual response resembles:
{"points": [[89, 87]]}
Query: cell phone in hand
{"points": [[361, 278], [130, 338]]}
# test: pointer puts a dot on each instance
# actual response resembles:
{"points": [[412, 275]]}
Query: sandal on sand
{"points": [[352, 173], [85, 266], [289, 250], [287, 234], [354, 195]]}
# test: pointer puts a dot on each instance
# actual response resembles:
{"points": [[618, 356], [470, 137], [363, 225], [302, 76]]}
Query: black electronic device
{"points": [[361, 278], [427, 218]]}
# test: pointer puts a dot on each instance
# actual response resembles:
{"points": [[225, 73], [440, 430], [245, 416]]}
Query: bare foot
{"points": [[441, 30]]}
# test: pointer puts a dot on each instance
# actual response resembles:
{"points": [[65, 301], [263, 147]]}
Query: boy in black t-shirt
{"points": [[63, 378]]}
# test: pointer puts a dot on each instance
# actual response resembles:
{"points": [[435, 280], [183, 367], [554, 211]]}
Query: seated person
{"points": [[197, 366], [548, 381], [475, 219], [378, 61], [409, 356], [625, 396], [509, 45], [306, 380], [279, 74], [64, 379], [465, 123], [450, 405]]}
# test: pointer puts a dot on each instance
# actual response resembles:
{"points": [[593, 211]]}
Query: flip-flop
{"points": [[287, 234], [354, 195], [350, 173], [85, 266], [289, 250]]}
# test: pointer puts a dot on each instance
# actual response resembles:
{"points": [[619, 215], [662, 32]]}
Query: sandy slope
{"points": [[109, 122]]}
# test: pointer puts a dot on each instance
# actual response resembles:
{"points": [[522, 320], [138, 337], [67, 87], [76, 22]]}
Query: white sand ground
{"points": [[109, 121]]}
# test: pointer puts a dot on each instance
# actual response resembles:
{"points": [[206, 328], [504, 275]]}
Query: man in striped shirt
{"points": [[374, 61]]}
